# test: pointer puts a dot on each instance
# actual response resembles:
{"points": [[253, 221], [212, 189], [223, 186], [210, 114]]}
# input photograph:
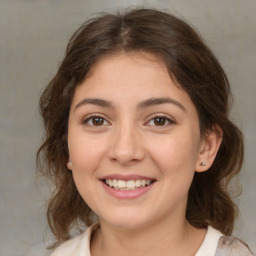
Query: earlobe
{"points": [[209, 148], [69, 165]]}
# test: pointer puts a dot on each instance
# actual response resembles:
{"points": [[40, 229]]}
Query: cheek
{"points": [[85, 153], [175, 152]]}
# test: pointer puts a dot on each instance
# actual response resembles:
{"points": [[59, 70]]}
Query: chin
{"points": [[128, 224], [129, 221]]}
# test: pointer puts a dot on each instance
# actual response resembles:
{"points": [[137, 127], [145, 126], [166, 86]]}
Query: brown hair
{"points": [[198, 72]]}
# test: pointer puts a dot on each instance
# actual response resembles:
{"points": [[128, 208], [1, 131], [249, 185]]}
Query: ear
{"points": [[69, 165], [209, 148]]}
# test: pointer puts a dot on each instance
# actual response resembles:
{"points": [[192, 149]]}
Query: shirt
{"points": [[214, 244]]}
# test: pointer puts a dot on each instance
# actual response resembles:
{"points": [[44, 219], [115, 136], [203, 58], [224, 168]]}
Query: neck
{"points": [[178, 238]]}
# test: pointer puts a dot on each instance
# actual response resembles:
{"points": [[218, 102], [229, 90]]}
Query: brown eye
{"points": [[159, 121], [97, 121]]}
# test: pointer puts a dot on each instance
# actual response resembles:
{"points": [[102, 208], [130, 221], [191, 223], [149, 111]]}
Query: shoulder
{"points": [[79, 245], [232, 246], [217, 244], [70, 247]]}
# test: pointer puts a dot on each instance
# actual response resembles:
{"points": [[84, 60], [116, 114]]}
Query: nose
{"points": [[126, 145]]}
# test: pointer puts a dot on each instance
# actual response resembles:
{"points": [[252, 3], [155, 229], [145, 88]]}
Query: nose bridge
{"points": [[126, 143]]}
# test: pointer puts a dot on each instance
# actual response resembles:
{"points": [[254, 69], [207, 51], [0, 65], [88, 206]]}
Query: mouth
{"points": [[128, 185]]}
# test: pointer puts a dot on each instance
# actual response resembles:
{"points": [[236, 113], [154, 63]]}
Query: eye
{"points": [[160, 121], [95, 121]]}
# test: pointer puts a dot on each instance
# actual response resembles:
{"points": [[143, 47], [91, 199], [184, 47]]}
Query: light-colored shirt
{"points": [[214, 244]]}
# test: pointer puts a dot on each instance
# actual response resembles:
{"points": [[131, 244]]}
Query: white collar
{"points": [[210, 243]]}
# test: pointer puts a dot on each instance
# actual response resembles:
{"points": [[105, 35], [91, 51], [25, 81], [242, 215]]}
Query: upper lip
{"points": [[125, 177]]}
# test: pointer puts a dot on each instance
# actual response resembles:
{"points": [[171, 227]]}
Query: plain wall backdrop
{"points": [[33, 36]]}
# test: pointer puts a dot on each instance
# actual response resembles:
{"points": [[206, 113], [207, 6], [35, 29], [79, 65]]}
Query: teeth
{"points": [[148, 182], [138, 183], [130, 184], [127, 185], [115, 183], [110, 182], [121, 184]]}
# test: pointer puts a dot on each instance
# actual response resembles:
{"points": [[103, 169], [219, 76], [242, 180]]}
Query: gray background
{"points": [[33, 35]]}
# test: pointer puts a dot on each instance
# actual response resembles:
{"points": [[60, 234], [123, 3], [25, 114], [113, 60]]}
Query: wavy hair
{"points": [[196, 69]]}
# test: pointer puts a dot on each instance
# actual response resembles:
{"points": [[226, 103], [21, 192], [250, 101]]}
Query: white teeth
{"points": [[130, 184], [110, 183], [115, 183], [138, 183], [120, 184], [127, 185]]}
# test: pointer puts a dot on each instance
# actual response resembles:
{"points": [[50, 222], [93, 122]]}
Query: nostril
{"points": [[126, 155], [126, 145]]}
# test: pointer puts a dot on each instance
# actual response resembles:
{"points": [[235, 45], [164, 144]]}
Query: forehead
{"points": [[140, 59], [136, 75], [127, 65]]}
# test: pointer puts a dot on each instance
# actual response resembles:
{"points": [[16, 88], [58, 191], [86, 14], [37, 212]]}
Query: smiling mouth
{"points": [[127, 185]]}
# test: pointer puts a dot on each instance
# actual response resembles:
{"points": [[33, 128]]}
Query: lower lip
{"points": [[127, 194]]}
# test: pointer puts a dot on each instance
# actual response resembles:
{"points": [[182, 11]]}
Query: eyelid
{"points": [[95, 115], [169, 119]]}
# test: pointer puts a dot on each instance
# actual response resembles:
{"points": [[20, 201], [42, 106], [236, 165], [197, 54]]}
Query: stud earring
{"points": [[203, 163], [70, 163]]}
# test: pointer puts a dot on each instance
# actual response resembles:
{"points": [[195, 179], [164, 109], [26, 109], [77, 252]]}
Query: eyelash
{"points": [[165, 118], [158, 116], [90, 118]]}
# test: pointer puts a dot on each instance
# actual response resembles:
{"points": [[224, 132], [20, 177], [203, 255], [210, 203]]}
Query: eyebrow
{"points": [[94, 101], [158, 101], [144, 104]]}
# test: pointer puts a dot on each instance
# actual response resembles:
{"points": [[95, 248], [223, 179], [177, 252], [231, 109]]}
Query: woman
{"points": [[138, 141]]}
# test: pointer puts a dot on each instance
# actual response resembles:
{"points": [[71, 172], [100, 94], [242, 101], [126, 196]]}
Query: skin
{"points": [[127, 138]]}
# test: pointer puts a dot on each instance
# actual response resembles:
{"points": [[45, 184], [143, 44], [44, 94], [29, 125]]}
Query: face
{"points": [[134, 141]]}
